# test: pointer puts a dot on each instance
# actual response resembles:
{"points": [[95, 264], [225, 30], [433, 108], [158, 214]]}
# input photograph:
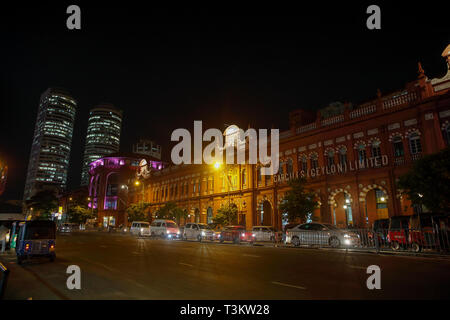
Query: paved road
{"points": [[115, 266]]}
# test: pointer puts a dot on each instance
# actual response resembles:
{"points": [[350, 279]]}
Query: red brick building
{"points": [[351, 156]]}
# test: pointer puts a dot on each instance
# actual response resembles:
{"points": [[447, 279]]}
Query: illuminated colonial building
{"points": [[103, 136], [351, 156], [112, 178], [52, 140]]}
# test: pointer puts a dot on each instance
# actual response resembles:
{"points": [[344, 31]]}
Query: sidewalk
{"points": [[359, 250]]}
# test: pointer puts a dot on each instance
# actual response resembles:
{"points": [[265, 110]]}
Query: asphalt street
{"points": [[117, 266]]}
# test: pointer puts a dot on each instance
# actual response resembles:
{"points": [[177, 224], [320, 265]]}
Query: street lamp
{"points": [[137, 183], [217, 166]]}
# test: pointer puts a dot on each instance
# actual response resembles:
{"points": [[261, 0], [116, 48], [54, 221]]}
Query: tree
{"points": [[171, 211], [226, 214], [44, 203], [138, 212], [428, 182], [79, 214], [298, 202]]}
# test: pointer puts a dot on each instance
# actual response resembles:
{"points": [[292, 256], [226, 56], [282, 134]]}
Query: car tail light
{"points": [[27, 247]]}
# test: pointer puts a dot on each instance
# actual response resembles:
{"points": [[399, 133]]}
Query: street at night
{"points": [[116, 266]]}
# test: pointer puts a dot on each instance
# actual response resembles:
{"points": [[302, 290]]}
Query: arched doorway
{"points": [[376, 205], [341, 207], [209, 215], [197, 215], [265, 212]]}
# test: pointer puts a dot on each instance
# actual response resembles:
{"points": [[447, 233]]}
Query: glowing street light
{"points": [[217, 165], [137, 182]]}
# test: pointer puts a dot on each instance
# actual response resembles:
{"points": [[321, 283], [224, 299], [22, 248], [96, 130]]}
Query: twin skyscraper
{"points": [[52, 140]]}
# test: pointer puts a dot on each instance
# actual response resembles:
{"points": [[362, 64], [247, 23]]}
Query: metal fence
{"points": [[413, 240]]}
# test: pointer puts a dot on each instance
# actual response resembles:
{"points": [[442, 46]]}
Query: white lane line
{"points": [[185, 264], [357, 267], [288, 285], [251, 255]]}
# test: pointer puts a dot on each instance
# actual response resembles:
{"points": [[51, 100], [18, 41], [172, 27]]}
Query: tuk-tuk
{"points": [[428, 230], [14, 233], [379, 230], [36, 238], [398, 232]]}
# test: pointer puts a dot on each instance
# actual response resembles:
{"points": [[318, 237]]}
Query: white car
{"points": [[322, 234], [263, 233], [165, 229], [140, 228], [198, 231]]}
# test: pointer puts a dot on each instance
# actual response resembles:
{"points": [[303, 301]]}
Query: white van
{"points": [[165, 229], [140, 228]]}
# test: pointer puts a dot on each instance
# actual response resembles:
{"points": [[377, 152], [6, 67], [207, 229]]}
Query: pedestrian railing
{"points": [[414, 240], [4, 273]]}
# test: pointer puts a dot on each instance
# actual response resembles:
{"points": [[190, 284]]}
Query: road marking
{"points": [[185, 264], [251, 255], [357, 267], [288, 285]]}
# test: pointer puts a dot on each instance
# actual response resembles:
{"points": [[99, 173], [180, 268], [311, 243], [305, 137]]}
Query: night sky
{"points": [[166, 67]]}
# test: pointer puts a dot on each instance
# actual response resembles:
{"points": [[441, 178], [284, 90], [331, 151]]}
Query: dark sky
{"points": [[166, 67]]}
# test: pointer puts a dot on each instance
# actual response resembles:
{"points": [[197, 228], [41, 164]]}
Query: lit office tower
{"points": [[50, 151], [103, 136]]}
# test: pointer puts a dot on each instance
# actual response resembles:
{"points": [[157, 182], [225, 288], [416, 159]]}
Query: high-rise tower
{"points": [[52, 140], [103, 136]]}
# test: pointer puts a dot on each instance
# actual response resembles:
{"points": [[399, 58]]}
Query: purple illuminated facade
{"points": [[110, 181]]}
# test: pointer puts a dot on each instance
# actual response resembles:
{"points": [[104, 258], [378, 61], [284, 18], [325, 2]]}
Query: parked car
{"points": [[398, 232], [321, 234], [198, 231], [140, 228], [236, 234], [263, 233], [165, 229], [216, 228], [287, 227]]}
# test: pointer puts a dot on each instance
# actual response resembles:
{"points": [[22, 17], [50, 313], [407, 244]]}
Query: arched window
{"points": [[304, 163], [281, 167], [376, 150], [362, 152], [330, 158], [415, 145], [289, 167], [397, 143], [343, 155], [314, 161]]}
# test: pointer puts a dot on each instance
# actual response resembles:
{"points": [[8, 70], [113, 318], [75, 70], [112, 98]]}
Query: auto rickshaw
{"points": [[14, 233], [36, 239], [398, 232], [429, 230]]}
